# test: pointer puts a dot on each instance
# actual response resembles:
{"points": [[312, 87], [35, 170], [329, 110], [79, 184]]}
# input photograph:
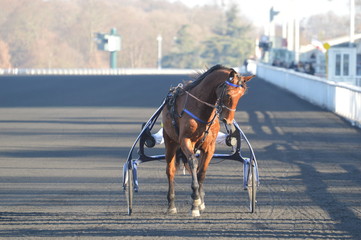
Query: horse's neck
{"points": [[205, 91]]}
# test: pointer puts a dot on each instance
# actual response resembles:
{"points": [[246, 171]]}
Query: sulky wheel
{"points": [[129, 189], [252, 187]]}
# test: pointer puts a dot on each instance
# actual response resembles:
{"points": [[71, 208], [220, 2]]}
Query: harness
{"points": [[219, 105]]}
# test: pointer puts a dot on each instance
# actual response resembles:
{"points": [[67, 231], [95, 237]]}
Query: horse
{"points": [[191, 122]]}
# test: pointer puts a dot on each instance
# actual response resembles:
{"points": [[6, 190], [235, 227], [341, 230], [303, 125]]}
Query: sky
{"points": [[258, 10]]}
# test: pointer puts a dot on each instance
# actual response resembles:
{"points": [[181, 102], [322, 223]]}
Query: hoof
{"points": [[202, 207], [172, 211], [196, 213]]}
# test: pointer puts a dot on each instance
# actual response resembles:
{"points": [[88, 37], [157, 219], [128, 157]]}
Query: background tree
{"points": [[4, 55], [325, 26], [184, 54], [60, 34], [231, 42]]}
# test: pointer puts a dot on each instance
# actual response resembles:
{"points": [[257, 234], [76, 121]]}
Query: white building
{"points": [[343, 59]]}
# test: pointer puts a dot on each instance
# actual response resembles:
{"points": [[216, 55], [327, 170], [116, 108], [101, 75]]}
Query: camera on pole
{"points": [[272, 14], [109, 42]]}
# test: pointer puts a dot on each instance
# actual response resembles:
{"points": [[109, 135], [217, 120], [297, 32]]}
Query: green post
{"points": [[113, 59], [111, 43]]}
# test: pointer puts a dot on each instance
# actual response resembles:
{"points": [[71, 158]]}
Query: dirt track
{"points": [[63, 143]]}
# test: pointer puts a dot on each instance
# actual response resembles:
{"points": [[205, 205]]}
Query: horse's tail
{"points": [[181, 157]]}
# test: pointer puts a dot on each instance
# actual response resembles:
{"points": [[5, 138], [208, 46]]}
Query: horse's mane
{"points": [[202, 76]]}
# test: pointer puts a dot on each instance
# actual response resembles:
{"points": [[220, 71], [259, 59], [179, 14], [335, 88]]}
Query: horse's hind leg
{"points": [[171, 148]]}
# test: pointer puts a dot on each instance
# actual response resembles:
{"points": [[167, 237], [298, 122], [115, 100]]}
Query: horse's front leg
{"points": [[205, 158]]}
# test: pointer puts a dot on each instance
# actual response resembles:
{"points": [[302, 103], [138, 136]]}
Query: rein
{"points": [[219, 105], [199, 100]]}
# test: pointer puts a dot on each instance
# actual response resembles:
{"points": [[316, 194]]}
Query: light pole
{"points": [[352, 22], [159, 39], [297, 39]]}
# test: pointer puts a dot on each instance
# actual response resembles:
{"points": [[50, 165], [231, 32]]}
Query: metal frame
{"points": [[250, 166]]}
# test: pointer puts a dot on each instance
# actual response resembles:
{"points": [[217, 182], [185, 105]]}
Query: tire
{"points": [[130, 190]]}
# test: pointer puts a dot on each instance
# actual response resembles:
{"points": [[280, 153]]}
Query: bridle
{"points": [[219, 106]]}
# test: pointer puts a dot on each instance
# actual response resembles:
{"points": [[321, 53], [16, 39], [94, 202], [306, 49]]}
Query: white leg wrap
{"points": [[202, 207], [197, 202], [172, 211]]}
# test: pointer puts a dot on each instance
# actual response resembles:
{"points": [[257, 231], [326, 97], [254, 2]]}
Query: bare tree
{"points": [[4, 55]]}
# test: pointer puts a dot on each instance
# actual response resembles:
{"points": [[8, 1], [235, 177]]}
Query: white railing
{"points": [[93, 71], [341, 98]]}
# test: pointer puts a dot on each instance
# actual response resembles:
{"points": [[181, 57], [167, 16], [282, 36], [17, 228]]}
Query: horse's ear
{"points": [[247, 78]]}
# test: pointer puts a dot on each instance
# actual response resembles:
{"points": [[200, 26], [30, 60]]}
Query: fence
{"points": [[92, 71], [341, 98]]}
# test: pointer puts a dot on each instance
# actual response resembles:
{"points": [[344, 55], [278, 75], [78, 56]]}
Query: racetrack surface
{"points": [[64, 140]]}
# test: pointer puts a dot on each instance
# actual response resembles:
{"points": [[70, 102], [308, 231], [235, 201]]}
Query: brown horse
{"points": [[190, 124]]}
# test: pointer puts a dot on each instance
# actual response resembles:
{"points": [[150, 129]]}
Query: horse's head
{"points": [[229, 94]]}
